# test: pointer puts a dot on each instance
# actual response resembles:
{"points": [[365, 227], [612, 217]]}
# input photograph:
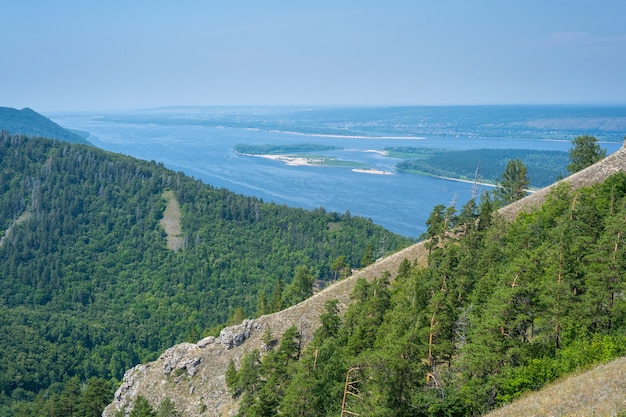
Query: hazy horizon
{"points": [[80, 56]]}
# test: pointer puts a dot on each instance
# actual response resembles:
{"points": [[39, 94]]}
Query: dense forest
{"points": [[500, 309], [88, 287], [486, 165], [30, 123]]}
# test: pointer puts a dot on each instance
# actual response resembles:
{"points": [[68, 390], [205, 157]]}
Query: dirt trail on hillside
{"points": [[171, 222]]}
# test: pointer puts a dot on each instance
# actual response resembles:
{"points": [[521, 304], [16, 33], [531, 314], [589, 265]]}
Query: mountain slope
{"points": [[600, 391], [89, 286], [193, 374], [30, 123]]}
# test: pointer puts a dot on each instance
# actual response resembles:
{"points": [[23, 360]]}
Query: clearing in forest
{"points": [[171, 222]]}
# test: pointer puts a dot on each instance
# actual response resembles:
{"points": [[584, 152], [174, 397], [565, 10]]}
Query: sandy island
{"points": [[292, 160], [384, 153], [372, 171]]}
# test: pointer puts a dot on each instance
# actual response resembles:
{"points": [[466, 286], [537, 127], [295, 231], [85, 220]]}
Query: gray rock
{"points": [[172, 357], [191, 365], [206, 341], [234, 336], [128, 390]]}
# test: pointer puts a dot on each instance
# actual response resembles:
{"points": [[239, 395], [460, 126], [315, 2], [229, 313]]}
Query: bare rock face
{"points": [[235, 335], [177, 358], [128, 389]]}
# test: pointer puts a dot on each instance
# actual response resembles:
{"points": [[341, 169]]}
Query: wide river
{"points": [[205, 150]]}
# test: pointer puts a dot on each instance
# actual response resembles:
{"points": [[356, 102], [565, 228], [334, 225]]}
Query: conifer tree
{"points": [[513, 182], [95, 397], [142, 408], [276, 300], [368, 256], [585, 152], [70, 397], [167, 408], [301, 287]]}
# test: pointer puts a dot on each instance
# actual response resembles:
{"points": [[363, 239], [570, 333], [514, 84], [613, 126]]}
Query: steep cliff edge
{"points": [[192, 375]]}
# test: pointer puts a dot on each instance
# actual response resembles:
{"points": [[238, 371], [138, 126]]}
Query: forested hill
{"points": [[30, 123], [89, 287], [496, 304]]}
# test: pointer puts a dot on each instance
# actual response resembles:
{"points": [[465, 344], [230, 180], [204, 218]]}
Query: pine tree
{"points": [[142, 408], [338, 265], [70, 397], [232, 380], [95, 397], [368, 256], [301, 287], [607, 264], [585, 152], [167, 408], [276, 300], [513, 182], [436, 227]]}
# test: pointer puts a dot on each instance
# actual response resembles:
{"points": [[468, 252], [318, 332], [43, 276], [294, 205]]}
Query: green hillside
{"points": [[89, 287], [501, 309], [544, 167], [30, 123]]}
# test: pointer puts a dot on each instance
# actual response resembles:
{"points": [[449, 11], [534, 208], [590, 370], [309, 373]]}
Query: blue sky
{"points": [[117, 55]]}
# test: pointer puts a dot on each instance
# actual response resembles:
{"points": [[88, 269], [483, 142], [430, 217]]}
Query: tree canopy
{"points": [[513, 183], [500, 309], [585, 152], [88, 287]]}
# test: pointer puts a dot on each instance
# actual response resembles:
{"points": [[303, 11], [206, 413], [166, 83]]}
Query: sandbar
{"points": [[384, 153], [293, 160], [372, 171]]}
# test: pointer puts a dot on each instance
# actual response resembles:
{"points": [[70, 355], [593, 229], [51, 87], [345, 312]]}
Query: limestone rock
{"points": [[235, 335], [175, 357], [206, 341], [129, 386]]}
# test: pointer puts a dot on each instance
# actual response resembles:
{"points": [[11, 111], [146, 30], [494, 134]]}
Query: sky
{"points": [[88, 55]]}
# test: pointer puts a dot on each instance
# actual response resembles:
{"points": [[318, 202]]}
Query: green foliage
{"points": [[167, 408], [501, 309], [585, 152], [330, 321], [368, 256], [544, 167], [95, 397], [261, 384], [142, 408], [232, 382], [513, 182], [88, 287], [339, 265], [301, 287], [298, 151]]}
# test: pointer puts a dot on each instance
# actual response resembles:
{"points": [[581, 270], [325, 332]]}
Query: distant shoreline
{"points": [[486, 184], [330, 135]]}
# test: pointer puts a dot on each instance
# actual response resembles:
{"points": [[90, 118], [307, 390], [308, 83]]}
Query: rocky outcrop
{"points": [[192, 375], [181, 358], [234, 336]]}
